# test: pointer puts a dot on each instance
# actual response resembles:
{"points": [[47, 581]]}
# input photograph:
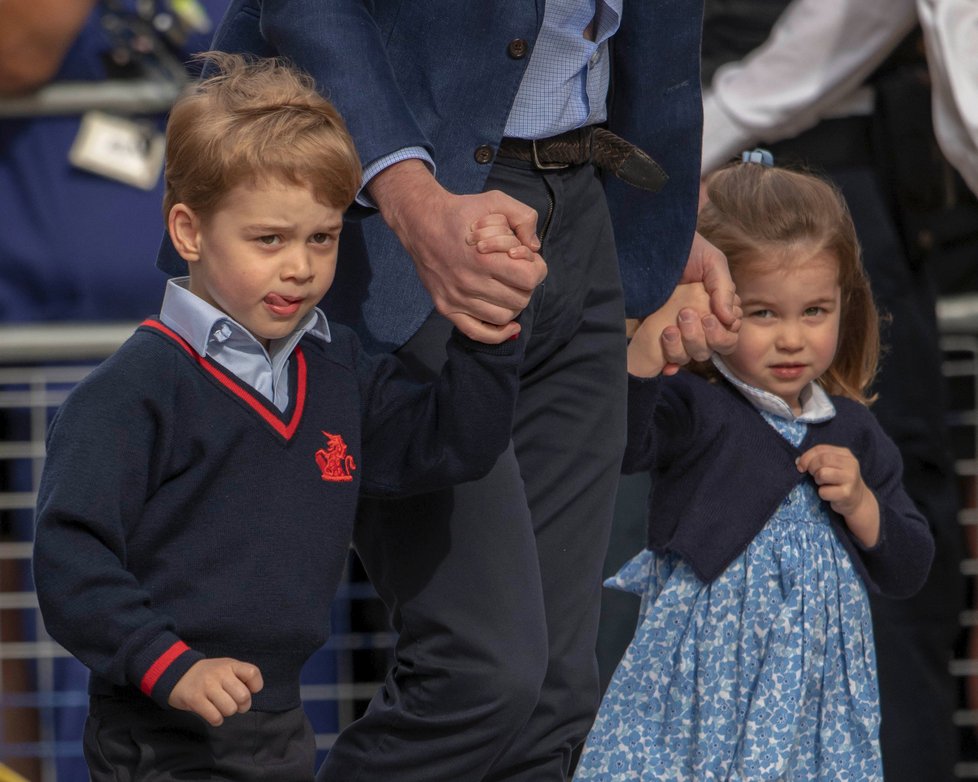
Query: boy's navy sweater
{"points": [[182, 516], [720, 471]]}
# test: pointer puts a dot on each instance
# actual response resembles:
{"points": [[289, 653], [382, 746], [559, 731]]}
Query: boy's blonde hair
{"points": [[757, 212], [253, 120]]}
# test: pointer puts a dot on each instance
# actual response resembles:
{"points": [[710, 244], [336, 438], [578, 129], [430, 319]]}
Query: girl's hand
{"points": [[840, 483]]}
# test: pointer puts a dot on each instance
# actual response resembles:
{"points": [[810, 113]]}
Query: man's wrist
{"points": [[402, 184], [371, 170]]}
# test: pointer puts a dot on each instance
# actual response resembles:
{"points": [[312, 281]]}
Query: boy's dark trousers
{"points": [[132, 739]]}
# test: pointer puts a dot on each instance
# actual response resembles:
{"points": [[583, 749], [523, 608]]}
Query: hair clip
{"points": [[758, 155]]}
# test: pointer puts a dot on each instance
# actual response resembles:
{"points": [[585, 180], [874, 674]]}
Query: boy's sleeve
{"points": [[100, 448], [420, 437]]}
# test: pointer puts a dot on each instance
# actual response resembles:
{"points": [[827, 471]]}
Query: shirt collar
{"points": [[816, 406], [203, 325]]}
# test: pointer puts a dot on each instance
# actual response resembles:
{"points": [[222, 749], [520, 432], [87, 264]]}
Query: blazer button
{"points": [[483, 154], [517, 48]]}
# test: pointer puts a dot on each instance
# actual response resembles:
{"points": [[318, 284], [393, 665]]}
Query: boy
{"points": [[197, 503]]}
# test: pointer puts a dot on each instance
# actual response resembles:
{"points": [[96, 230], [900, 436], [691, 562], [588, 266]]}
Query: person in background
{"points": [[580, 123], [84, 90], [950, 34], [950, 29], [754, 654]]}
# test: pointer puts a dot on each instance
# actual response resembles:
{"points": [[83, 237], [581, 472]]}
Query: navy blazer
{"points": [[439, 74]]}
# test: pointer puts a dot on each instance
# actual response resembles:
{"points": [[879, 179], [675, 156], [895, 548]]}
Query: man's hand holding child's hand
{"points": [[702, 315], [656, 346]]}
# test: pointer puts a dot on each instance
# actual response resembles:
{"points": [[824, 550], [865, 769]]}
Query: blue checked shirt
{"points": [[566, 81], [565, 84]]}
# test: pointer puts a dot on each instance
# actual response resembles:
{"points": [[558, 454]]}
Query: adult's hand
{"points": [[696, 335], [480, 293]]}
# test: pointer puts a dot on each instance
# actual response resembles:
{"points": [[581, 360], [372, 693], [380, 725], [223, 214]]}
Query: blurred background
{"points": [[84, 91]]}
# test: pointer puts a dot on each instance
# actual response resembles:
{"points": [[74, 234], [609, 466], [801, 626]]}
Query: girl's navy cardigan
{"points": [[182, 516], [719, 471]]}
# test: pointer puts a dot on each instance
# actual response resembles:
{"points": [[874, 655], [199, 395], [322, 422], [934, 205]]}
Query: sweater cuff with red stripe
{"points": [[156, 669]]}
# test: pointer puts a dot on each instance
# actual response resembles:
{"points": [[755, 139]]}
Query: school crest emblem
{"points": [[335, 464]]}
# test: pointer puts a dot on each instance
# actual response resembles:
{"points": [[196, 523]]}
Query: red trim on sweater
{"points": [[286, 430], [157, 669]]}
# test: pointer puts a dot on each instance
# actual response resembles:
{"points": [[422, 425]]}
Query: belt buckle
{"points": [[537, 163]]}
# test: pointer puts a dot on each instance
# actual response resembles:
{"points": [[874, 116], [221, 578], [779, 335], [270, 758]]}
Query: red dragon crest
{"points": [[335, 464]]}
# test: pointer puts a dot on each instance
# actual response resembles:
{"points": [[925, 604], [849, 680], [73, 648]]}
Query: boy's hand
{"points": [[215, 689], [840, 483], [658, 340]]}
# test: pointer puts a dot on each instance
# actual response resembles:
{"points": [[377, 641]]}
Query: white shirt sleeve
{"points": [[812, 66], [951, 36]]}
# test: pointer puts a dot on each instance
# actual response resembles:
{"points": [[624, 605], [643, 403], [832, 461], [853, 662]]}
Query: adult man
{"points": [[494, 587]]}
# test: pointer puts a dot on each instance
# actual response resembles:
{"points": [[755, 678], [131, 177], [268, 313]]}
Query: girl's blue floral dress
{"points": [[767, 673]]}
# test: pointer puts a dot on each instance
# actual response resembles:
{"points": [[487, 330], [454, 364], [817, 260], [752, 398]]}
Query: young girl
{"points": [[776, 502]]}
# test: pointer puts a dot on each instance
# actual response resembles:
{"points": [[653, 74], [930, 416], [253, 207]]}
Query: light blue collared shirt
{"points": [[213, 333], [815, 403], [565, 85]]}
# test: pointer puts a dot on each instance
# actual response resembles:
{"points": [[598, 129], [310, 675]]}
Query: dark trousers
{"points": [[135, 740], [494, 586]]}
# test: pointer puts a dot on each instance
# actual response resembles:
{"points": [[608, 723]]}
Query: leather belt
{"points": [[590, 144]]}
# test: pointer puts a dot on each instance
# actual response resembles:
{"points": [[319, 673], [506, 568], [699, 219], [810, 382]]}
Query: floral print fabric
{"points": [[767, 673]]}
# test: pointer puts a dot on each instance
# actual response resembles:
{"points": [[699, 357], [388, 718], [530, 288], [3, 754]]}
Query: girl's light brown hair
{"points": [[757, 212], [254, 120]]}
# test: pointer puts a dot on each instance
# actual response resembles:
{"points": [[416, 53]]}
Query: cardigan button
{"points": [[484, 154], [517, 48]]}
